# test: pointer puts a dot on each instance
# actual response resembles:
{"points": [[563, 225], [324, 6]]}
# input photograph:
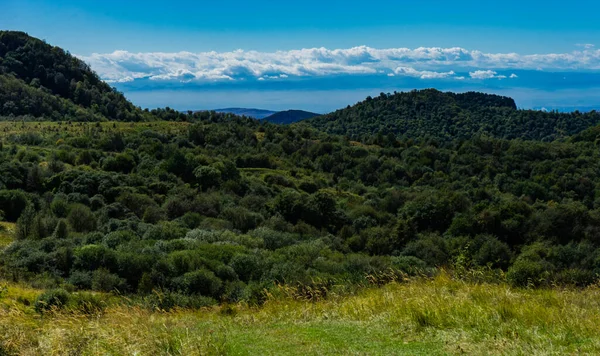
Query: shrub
{"points": [[60, 208], [527, 272], [202, 281], [191, 220], [104, 281], [247, 267], [119, 237], [78, 198], [153, 214], [97, 202], [207, 176], [575, 277], [81, 279], [167, 300], [88, 303], [379, 241], [13, 202], [408, 264], [25, 223], [92, 257], [52, 299], [62, 230], [138, 203], [274, 239], [430, 248], [121, 162], [257, 293], [81, 218], [165, 231], [493, 252], [241, 218]]}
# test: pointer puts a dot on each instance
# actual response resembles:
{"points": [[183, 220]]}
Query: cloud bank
{"points": [[422, 63]]}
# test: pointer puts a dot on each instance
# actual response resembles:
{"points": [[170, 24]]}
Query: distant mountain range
{"points": [[254, 113], [276, 117]]}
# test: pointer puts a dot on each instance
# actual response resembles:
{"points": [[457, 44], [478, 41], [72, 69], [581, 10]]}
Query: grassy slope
{"points": [[439, 316], [6, 233]]}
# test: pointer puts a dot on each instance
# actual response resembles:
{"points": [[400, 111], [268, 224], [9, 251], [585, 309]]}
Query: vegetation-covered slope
{"points": [[449, 116], [35, 76], [290, 116], [225, 209]]}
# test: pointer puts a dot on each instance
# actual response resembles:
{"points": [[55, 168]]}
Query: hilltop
{"points": [[42, 81], [449, 116], [290, 116]]}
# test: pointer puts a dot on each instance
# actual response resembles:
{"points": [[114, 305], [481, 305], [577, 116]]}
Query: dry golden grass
{"points": [[7, 231], [8, 128], [423, 316]]}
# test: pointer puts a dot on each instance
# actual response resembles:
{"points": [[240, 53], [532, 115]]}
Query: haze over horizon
{"points": [[321, 57]]}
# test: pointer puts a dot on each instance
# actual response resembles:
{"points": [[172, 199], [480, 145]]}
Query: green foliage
{"points": [[104, 281], [25, 223], [52, 299], [81, 218], [524, 273], [430, 248], [12, 203], [60, 208], [62, 230], [207, 176], [201, 282]]}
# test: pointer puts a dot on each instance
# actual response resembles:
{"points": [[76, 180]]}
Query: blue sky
{"points": [[184, 53]]}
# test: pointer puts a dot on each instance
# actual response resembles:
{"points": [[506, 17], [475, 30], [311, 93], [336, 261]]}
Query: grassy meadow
{"points": [[435, 316]]}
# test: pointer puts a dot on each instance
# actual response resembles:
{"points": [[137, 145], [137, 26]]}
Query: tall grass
{"points": [[6, 233], [440, 315]]}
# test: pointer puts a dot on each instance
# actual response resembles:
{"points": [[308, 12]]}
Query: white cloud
{"points": [[423, 74], [586, 45], [432, 63], [487, 74]]}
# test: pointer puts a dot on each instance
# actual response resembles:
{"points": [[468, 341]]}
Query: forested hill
{"points": [[36, 78], [290, 116], [434, 114]]}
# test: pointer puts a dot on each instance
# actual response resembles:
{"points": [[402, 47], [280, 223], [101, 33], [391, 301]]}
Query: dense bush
{"points": [[52, 299]]}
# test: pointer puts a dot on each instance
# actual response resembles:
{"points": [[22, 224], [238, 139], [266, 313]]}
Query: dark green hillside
{"points": [[36, 71], [448, 116], [290, 116]]}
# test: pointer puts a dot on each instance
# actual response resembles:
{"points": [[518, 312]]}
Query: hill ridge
{"points": [[290, 116], [447, 116]]}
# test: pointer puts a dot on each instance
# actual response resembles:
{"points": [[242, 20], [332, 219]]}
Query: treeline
{"points": [[448, 116]]}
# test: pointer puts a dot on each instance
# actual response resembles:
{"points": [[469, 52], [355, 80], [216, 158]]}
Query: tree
{"points": [[25, 223], [81, 218], [207, 176], [13, 202], [62, 230]]}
